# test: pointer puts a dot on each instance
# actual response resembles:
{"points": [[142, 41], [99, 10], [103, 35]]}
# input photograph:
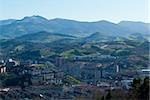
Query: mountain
{"points": [[6, 22], [98, 37], [136, 27], [33, 19], [24, 26], [35, 24], [76, 28], [43, 37]]}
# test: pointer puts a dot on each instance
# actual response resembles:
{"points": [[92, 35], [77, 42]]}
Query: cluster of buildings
{"points": [[93, 73], [39, 75], [49, 81], [6, 66], [92, 58], [46, 75], [96, 72]]}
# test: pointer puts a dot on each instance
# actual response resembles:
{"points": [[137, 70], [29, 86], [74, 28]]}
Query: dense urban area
{"points": [[52, 66]]}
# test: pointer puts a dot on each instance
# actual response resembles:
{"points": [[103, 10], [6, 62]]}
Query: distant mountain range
{"points": [[13, 28]]}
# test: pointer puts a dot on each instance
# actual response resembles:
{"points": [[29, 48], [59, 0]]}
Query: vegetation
{"points": [[109, 95], [9, 79], [140, 89], [71, 80]]}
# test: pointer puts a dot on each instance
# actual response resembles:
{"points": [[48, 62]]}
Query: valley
{"points": [[65, 59]]}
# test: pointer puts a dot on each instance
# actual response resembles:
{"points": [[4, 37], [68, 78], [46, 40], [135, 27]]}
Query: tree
{"points": [[135, 86], [109, 95], [22, 80], [140, 90], [102, 98], [96, 95], [10, 79], [144, 89], [25, 78]]}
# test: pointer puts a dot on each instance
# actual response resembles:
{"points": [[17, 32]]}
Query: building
{"points": [[2, 69], [126, 84], [46, 75], [145, 72]]}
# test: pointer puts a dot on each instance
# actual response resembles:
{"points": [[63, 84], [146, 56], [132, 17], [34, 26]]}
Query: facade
{"points": [[2, 69], [46, 75]]}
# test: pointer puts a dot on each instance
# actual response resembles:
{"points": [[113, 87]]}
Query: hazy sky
{"points": [[82, 10]]}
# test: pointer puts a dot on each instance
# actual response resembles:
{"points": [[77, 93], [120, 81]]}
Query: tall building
{"points": [[117, 68]]}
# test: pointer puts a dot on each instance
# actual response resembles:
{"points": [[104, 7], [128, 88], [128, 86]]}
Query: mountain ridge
{"points": [[43, 37], [32, 24]]}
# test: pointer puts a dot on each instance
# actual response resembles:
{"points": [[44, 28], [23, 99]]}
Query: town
{"points": [[77, 70], [74, 50], [65, 78]]}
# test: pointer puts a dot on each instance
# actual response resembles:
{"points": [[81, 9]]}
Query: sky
{"points": [[81, 10]]}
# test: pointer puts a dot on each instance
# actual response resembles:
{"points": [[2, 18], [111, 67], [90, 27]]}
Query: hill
{"points": [[98, 37], [43, 37], [14, 28], [136, 27]]}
